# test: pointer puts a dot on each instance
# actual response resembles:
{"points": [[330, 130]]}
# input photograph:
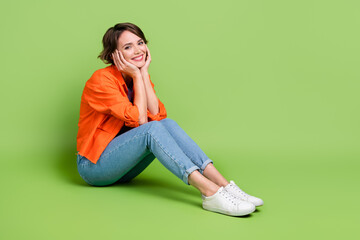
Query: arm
{"points": [[160, 112], [102, 94], [139, 89], [140, 98], [152, 100], [155, 108]]}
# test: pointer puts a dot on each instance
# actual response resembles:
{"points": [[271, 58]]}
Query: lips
{"points": [[138, 58]]}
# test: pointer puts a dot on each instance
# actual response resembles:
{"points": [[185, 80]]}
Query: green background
{"points": [[268, 89]]}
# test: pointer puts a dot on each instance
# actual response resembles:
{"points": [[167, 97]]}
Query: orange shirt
{"points": [[104, 110]]}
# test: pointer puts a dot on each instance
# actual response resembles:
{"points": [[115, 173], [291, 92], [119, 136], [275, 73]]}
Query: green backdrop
{"points": [[268, 89]]}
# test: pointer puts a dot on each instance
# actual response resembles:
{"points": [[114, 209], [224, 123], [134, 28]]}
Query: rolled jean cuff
{"points": [[205, 164], [187, 173]]}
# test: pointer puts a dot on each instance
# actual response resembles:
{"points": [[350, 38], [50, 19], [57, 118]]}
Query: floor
{"points": [[304, 197]]}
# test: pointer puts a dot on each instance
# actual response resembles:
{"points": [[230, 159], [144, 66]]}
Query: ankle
{"points": [[224, 183], [210, 191]]}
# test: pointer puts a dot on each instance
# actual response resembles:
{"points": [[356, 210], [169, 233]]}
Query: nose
{"points": [[137, 50]]}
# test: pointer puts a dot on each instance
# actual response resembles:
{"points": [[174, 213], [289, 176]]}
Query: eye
{"points": [[141, 42], [127, 47]]}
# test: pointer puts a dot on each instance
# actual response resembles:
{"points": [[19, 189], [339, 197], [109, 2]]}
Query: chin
{"points": [[139, 65]]}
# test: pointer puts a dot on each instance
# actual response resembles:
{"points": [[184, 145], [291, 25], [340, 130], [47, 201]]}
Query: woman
{"points": [[123, 127]]}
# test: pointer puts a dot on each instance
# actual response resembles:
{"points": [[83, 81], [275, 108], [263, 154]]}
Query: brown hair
{"points": [[111, 37]]}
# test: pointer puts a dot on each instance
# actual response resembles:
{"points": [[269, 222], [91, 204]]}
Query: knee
{"points": [[168, 121], [155, 126]]}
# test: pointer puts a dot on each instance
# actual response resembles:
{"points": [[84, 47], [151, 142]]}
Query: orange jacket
{"points": [[104, 110]]}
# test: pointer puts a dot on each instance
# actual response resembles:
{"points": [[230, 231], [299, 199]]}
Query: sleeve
{"points": [[162, 111], [103, 95]]}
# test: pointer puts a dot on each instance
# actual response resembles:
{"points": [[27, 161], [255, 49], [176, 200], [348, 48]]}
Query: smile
{"points": [[140, 58]]}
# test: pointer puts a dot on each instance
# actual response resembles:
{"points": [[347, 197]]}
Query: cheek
{"points": [[126, 55], [143, 48]]}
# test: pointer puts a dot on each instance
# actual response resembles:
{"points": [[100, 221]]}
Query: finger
{"points": [[125, 63], [121, 63], [148, 51], [122, 58], [116, 61], [118, 54]]}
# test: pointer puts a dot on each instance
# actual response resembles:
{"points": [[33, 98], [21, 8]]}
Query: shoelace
{"points": [[245, 195], [229, 196]]}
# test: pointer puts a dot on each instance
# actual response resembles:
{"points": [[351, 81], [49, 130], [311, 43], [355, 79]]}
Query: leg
{"points": [[193, 151], [137, 169], [204, 185], [213, 174], [128, 149], [187, 145]]}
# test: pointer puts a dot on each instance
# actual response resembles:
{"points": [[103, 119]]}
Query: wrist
{"points": [[144, 71], [137, 76]]}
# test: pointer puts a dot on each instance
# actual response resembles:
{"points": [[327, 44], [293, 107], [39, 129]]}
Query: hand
{"points": [[124, 66], [148, 60]]}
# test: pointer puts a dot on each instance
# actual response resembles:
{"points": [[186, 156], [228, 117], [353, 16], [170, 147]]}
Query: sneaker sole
{"points": [[257, 205], [217, 210]]}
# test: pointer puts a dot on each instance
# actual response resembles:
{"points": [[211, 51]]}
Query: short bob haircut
{"points": [[111, 37]]}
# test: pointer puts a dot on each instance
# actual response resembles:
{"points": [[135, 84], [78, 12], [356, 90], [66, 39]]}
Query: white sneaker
{"points": [[224, 202], [235, 190]]}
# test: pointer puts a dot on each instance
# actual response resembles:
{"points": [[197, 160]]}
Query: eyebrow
{"points": [[130, 42]]}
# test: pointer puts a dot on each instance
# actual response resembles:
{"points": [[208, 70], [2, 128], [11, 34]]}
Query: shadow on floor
{"points": [[164, 189], [66, 168]]}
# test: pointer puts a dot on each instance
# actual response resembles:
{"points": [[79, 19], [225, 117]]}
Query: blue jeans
{"points": [[128, 154]]}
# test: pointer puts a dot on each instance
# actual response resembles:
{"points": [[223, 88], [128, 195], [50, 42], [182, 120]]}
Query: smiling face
{"points": [[133, 48]]}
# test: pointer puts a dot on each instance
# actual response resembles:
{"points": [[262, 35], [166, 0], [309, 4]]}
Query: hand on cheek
{"points": [[123, 65]]}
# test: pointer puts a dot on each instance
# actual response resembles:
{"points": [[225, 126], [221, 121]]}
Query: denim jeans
{"points": [[129, 153]]}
